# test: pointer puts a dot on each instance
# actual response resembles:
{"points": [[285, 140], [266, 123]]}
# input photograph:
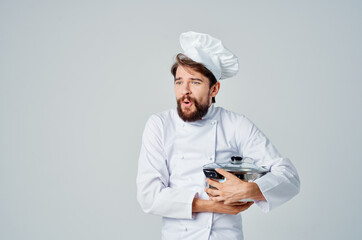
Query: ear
{"points": [[215, 89]]}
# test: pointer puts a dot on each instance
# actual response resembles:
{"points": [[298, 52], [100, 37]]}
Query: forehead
{"points": [[186, 72]]}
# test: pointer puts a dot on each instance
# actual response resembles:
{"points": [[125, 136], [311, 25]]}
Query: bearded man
{"points": [[177, 143]]}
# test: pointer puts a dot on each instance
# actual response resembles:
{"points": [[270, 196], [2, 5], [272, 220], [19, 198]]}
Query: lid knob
{"points": [[236, 159]]}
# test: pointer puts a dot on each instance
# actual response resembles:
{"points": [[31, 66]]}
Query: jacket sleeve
{"points": [[282, 182], [153, 191]]}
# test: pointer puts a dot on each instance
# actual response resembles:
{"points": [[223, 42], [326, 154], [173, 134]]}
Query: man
{"points": [[177, 143]]}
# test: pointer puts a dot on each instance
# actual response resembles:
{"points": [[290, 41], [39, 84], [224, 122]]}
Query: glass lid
{"points": [[237, 164]]}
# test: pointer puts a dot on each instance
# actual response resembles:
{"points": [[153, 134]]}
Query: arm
{"points": [[153, 191], [201, 205], [282, 182]]}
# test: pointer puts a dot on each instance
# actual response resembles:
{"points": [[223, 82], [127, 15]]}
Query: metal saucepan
{"points": [[244, 169]]}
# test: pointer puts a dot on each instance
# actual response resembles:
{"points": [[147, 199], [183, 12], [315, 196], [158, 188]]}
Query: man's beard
{"points": [[201, 110]]}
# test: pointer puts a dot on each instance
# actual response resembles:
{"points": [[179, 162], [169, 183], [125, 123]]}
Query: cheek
{"points": [[202, 95], [177, 92]]}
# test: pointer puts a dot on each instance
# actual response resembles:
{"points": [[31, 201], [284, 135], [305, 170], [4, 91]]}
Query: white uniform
{"points": [[170, 170]]}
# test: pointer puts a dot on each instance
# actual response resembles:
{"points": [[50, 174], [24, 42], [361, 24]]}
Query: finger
{"points": [[213, 192], [224, 173], [213, 182], [236, 203], [210, 180], [246, 206], [231, 200], [217, 198], [210, 195]]}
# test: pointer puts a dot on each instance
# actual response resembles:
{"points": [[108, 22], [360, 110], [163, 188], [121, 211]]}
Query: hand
{"points": [[201, 205], [234, 208], [232, 190]]}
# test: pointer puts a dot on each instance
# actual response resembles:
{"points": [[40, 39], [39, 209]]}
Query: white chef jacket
{"points": [[170, 172]]}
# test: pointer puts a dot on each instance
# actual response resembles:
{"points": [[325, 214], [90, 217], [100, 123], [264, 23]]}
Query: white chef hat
{"points": [[205, 49]]}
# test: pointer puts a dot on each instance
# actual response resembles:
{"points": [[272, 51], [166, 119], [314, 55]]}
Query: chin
{"points": [[188, 111]]}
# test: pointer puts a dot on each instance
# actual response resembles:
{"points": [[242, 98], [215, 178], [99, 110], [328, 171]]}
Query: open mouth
{"points": [[187, 102]]}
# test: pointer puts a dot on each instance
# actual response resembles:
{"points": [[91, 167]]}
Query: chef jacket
{"points": [[170, 173]]}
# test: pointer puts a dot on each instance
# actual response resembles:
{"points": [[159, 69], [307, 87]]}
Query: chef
{"points": [[177, 143]]}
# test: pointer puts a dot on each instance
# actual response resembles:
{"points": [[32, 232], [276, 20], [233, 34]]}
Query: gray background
{"points": [[78, 80]]}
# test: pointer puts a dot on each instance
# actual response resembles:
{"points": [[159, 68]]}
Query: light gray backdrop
{"points": [[78, 80]]}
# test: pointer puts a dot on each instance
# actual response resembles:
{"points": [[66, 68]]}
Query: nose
{"points": [[186, 89]]}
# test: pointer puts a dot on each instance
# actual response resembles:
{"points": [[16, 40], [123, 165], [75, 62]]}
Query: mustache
{"points": [[186, 97]]}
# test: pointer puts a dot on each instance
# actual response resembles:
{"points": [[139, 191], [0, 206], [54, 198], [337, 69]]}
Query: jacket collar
{"points": [[210, 113]]}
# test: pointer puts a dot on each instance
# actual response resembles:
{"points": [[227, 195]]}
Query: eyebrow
{"points": [[197, 79]]}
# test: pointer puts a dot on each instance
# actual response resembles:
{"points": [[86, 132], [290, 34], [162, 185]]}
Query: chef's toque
{"points": [[209, 51]]}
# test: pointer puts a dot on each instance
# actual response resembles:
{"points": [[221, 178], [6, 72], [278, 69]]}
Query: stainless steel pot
{"points": [[242, 168]]}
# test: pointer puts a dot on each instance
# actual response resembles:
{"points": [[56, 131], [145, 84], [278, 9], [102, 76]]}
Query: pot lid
{"points": [[237, 164]]}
